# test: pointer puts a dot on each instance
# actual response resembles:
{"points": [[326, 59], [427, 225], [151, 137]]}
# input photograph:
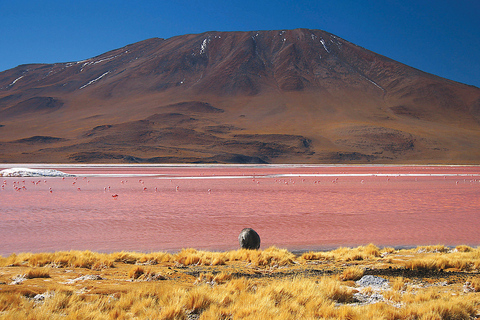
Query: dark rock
{"points": [[39, 139], [249, 239], [35, 105]]}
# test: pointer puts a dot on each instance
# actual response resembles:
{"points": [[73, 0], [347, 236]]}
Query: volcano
{"points": [[287, 96]]}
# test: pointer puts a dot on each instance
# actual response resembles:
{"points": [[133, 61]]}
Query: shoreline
{"points": [[295, 252], [213, 165]]}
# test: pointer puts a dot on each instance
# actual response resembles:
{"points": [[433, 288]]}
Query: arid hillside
{"points": [[295, 96]]}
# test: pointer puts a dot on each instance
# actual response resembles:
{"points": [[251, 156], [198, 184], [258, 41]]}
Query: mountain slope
{"points": [[294, 96]]}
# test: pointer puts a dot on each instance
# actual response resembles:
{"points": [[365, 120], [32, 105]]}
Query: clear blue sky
{"points": [[441, 37]]}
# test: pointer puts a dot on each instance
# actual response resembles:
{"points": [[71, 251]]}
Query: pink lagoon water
{"points": [[298, 207]]}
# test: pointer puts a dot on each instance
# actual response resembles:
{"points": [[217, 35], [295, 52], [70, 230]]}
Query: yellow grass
{"points": [[352, 273], [241, 284], [346, 254], [461, 260], [37, 273], [136, 272]]}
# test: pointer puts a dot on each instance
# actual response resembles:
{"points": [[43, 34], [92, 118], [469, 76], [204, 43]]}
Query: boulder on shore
{"points": [[249, 239]]}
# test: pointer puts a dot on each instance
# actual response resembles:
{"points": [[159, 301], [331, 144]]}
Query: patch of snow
{"points": [[14, 81], [98, 61], [84, 65], [106, 59], [94, 80], [109, 58], [26, 172], [324, 46], [375, 84], [337, 42], [203, 47]]}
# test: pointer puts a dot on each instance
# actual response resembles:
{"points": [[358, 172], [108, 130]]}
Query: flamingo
{"points": [[115, 196]]}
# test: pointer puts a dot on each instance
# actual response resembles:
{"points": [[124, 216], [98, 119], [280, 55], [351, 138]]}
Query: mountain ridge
{"points": [[351, 104]]}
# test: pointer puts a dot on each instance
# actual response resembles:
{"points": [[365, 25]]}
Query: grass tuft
{"points": [[463, 248], [135, 272], [352, 273], [197, 299], [172, 313], [37, 273]]}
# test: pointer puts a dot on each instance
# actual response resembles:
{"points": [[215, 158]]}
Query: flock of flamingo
{"points": [[21, 185]]}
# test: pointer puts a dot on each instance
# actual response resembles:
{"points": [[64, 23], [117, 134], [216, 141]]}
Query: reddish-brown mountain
{"points": [[296, 96]]}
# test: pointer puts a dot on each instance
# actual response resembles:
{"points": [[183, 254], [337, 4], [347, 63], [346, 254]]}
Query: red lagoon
{"points": [[166, 208]]}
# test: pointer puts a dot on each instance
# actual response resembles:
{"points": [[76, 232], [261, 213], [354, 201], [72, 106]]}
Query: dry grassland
{"points": [[423, 283]]}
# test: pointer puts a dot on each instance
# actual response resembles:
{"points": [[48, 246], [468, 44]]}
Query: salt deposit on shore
{"points": [[26, 172]]}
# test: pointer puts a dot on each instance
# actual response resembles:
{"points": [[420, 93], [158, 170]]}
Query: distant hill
{"points": [[293, 96]]}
